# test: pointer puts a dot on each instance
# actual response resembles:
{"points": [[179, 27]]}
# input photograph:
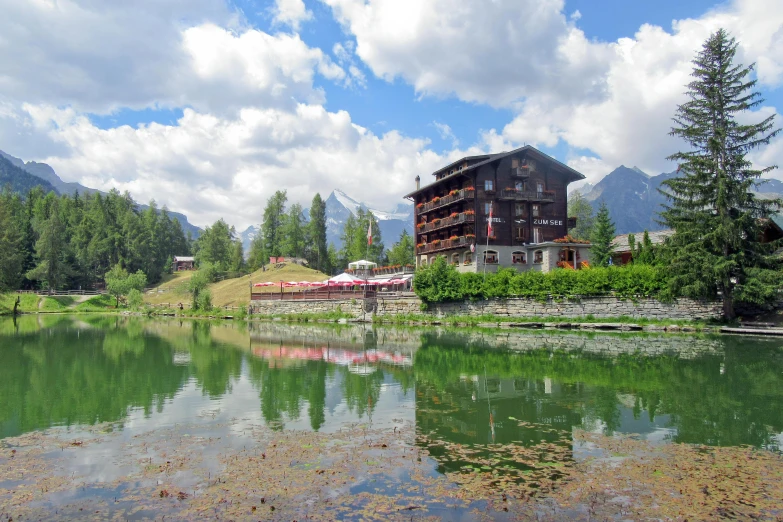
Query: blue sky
{"points": [[209, 106]]}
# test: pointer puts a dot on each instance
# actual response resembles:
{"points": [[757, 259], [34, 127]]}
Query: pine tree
{"points": [[317, 255], [274, 215], [292, 232], [11, 241], [601, 237], [50, 248], [216, 245], [402, 252], [715, 250]]}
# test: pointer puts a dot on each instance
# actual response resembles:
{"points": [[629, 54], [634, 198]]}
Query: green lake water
{"points": [[469, 387]]}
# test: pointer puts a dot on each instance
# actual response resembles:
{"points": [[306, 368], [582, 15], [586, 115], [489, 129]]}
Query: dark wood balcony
{"points": [[521, 172], [444, 201], [512, 194], [450, 221], [445, 244]]}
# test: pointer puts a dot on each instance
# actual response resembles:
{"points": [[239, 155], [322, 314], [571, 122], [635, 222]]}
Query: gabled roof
{"points": [[183, 258], [620, 242], [489, 158]]}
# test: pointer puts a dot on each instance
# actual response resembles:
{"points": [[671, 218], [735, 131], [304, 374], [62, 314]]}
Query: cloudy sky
{"points": [[209, 106]]}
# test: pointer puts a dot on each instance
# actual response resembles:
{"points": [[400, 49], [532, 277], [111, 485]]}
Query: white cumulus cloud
{"points": [[291, 13]]}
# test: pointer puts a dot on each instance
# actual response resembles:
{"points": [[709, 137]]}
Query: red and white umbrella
{"points": [[305, 283], [268, 283], [317, 283], [397, 282]]}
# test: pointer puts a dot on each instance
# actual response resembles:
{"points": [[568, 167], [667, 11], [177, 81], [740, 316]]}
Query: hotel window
{"points": [[489, 185], [454, 259], [487, 206], [538, 257], [520, 210], [491, 257], [468, 258], [519, 186], [539, 187], [520, 233], [536, 235], [536, 210], [514, 163], [518, 258]]}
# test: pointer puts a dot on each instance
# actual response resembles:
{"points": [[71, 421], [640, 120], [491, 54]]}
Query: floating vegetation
{"points": [[385, 474]]}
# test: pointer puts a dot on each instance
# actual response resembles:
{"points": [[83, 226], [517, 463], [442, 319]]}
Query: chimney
{"points": [[418, 182]]}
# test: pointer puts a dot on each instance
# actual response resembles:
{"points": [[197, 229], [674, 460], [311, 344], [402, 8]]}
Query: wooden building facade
{"points": [[524, 190]]}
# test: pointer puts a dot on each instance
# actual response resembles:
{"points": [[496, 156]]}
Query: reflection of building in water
{"points": [[522, 409], [341, 357]]}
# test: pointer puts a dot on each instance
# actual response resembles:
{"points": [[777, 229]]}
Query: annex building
{"points": [[523, 192]]}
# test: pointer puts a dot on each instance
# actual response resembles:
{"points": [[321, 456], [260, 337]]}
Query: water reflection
{"points": [[474, 388]]}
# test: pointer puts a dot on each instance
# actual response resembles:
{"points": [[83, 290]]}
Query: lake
{"points": [[132, 417]]}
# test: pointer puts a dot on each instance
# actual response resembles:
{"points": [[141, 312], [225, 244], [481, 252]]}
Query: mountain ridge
{"points": [[53, 182], [634, 200]]}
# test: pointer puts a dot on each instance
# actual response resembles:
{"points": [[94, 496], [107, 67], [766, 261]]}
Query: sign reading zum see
{"points": [[548, 222]]}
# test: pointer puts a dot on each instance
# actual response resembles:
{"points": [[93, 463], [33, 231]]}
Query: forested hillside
{"points": [[19, 180], [71, 241]]}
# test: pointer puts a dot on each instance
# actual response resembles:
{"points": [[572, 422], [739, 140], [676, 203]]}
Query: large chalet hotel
{"points": [[524, 191]]}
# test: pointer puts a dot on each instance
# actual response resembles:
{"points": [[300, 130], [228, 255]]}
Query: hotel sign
{"points": [[548, 222]]}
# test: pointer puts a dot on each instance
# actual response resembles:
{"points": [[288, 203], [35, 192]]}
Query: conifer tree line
{"points": [[72, 241], [285, 231]]}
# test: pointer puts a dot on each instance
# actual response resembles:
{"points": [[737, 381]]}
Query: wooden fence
{"points": [[61, 292], [320, 293]]}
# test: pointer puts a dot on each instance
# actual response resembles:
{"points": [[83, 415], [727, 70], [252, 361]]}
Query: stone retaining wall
{"points": [[600, 307], [407, 341]]}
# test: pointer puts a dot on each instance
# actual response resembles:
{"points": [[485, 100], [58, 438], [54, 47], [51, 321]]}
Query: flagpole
{"points": [[489, 229]]}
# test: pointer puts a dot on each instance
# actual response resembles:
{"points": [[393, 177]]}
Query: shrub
{"points": [[441, 282], [437, 282], [203, 301], [135, 299]]}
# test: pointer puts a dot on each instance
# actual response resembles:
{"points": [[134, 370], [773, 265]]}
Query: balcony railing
{"points": [[523, 171], [544, 196], [460, 195], [445, 244], [449, 221]]}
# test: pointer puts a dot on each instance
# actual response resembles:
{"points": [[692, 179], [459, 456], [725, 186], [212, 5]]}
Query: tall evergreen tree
{"points": [[601, 238], [292, 232], [317, 255], [402, 252], [715, 250], [274, 216], [216, 245], [354, 237], [51, 247], [237, 257], [11, 241]]}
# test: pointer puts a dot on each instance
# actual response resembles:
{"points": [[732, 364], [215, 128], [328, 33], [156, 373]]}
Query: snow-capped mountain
{"points": [[247, 238], [339, 206]]}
